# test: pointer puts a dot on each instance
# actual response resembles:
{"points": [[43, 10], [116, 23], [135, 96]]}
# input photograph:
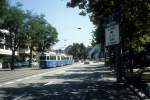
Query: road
{"points": [[76, 82]]}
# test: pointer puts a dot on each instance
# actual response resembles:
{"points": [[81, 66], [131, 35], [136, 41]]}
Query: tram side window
{"points": [[54, 57], [51, 58], [58, 58], [62, 58]]}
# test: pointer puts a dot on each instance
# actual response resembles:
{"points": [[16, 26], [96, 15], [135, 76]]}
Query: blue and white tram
{"points": [[63, 61], [70, 59], [58, 59], [48, 60]]}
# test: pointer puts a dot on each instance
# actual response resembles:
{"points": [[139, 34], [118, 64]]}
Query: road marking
{"points": [[19, 97], [49, 83], [18, 80], [8, 83]]}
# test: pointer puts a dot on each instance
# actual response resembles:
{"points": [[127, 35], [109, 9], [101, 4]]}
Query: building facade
{"points": [[5, 48]]}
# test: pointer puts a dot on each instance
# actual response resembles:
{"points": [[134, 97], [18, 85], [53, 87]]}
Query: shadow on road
{"points": [[82, 83]]}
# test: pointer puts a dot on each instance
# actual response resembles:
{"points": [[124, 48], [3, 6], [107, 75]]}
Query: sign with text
{"points": [[112, 34]]}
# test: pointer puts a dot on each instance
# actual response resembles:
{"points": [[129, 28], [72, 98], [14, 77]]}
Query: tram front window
{"points": [[42, 57]]}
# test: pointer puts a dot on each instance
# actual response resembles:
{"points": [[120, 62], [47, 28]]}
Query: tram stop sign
{"points": [[112, 34]]}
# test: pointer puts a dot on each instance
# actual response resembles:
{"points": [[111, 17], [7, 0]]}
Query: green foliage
{"points": [[77, 50], [14, 23], [39, 32], [26, 29], [140, 43], [133, 16], [3, 11]]}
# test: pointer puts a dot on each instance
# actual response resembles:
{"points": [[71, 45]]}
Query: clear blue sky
{"points": [[65, 20]]}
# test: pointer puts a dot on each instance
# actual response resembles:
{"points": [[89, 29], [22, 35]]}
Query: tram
{"points": [[51, 59]]}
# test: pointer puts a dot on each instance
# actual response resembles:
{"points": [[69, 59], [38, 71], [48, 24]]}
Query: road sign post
{"points": [[112, 38]]}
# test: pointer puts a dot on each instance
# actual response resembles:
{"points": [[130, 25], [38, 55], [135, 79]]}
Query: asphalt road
{"points": [[8, 75], [77, 82]]}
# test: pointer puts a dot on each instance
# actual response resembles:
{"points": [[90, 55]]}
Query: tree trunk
{"points": [[102, 54], [130, 59], [30, 61], [12, 59]]}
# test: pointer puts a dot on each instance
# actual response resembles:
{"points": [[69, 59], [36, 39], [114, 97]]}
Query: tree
{"points": [[77, 50], [26, 29], [40, 33], [48, 37], [32, 28], [133, 17], [14, 23], [3, 11]]}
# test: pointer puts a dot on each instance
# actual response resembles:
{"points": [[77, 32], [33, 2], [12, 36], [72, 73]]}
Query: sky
{"points": [[65, 20]]}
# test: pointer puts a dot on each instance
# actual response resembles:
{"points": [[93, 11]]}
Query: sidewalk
{"points": [[106, 88]]}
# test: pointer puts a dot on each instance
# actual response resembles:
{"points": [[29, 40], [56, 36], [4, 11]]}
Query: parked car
{"points": [[21, 64], [18, 64], [25, 64], [76, 60], [5, 65]]}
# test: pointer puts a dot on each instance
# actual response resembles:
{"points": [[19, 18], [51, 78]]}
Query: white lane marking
{"points": [[19, 97], [18, 80], [8, 83], [49, 83]]}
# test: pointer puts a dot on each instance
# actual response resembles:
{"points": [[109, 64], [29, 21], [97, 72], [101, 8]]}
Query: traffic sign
{"points": [[112, 34]]}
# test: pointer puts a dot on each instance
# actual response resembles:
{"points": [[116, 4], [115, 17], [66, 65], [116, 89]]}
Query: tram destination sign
{"points": [[112, 34]]}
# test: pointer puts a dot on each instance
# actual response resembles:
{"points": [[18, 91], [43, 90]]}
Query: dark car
{"points": [[76, 60], [86, 62], [21, 64], [25, 64], [18, 64]]}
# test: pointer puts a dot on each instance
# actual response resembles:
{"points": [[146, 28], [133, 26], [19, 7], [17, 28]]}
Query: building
{"points": [[24, 53], [5, 49]]}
